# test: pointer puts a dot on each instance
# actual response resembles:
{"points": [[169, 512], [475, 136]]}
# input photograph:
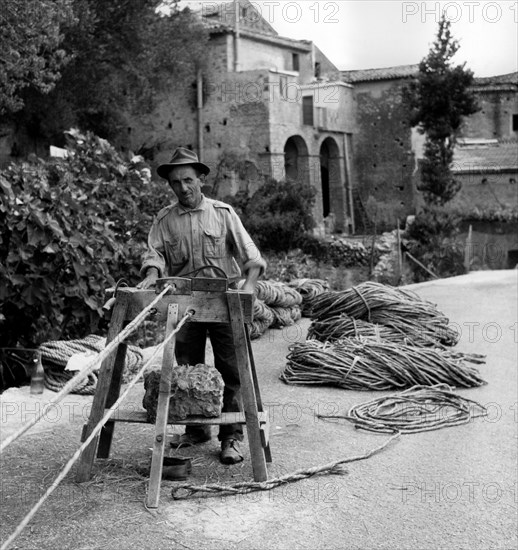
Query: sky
{"points": [[364, 34]]}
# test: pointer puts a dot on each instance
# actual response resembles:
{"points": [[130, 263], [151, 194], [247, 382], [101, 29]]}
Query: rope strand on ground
{"points": [[249, 486]]}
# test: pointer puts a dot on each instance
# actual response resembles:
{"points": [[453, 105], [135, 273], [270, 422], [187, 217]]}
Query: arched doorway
{"points": [[332, 188], [324, 178], [296, 159]]}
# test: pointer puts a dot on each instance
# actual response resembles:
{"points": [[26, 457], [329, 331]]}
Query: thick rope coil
{"points": [[285, 316], [56, 354], [266, 316], [277, 294], [56, 380]]}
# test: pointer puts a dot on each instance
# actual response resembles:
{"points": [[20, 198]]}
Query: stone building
{"points": [[486, 158], [384, 159], [387, 151], [486, 163], [266, 106]]}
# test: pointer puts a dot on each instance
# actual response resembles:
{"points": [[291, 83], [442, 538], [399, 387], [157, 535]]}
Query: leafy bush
{"points": [[69, 228], [431, 238], [432, 225], [278, 213]]}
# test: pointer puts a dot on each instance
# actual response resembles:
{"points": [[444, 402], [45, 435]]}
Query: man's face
{"points": [[186, 184]]}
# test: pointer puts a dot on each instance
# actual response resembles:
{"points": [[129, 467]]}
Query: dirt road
{"points": [[452, 488]]}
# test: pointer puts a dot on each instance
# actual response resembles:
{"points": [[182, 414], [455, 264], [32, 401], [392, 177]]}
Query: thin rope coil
{"points": [[370, 365], [415, 410], [95, 431], [392, 329], [385, 305]]}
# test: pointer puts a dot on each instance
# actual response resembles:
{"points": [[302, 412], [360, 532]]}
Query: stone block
{"points": [[195, 391]]}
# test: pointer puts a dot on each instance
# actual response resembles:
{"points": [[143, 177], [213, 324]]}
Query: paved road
{"points": [[452, 488]]}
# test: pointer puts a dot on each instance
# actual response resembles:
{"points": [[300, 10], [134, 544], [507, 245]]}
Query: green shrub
{"points": [[432, 239], [69, 229], [278, 213]]}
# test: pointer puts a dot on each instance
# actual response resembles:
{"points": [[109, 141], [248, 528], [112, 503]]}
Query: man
{"points": [[193, 233]]}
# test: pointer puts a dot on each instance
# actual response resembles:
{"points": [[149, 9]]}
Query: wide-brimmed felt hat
{"points": [[182, 157]]}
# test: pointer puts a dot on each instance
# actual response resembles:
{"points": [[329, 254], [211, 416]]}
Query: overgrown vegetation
{"points": [[31, 42], [278, 214], [91, 63], [69, 229], [432, 239]]}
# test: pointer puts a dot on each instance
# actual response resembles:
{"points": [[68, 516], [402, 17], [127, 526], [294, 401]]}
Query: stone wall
{"points": [[494, 245], [494, 120], [486, 192], [383, 158]]}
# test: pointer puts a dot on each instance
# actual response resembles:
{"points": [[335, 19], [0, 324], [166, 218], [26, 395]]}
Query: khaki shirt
{"points": [[182, 240]]}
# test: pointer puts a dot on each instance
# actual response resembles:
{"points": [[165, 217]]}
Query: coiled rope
{"points": [[250, 486], [417, 409], [279, 305], [56, 354], [276, 294], [309, 289], [88, 369], [355, 364], [96, 430], [385, 305]]}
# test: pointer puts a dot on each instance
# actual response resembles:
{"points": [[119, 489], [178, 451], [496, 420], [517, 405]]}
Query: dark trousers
{"points": [[190, 350]]}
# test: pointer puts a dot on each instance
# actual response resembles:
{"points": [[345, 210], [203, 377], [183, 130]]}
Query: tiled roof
{"points": [[385, 73], [509, 78], [490, 158]]}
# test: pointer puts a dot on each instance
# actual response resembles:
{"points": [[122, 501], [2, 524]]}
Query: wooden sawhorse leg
{"points": [[249, 389], [265, 429], [162, 411], [106, 393]]}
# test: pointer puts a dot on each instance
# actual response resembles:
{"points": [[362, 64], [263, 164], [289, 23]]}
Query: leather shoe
{"points": [[230, 452]]}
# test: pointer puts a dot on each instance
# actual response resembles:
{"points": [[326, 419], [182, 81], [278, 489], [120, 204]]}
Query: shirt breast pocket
{"points": [[213, 243], [176, 252]]}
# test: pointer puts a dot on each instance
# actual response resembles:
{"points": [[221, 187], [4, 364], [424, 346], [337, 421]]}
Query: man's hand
{"points": [[251, 279], [150, 280]]}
